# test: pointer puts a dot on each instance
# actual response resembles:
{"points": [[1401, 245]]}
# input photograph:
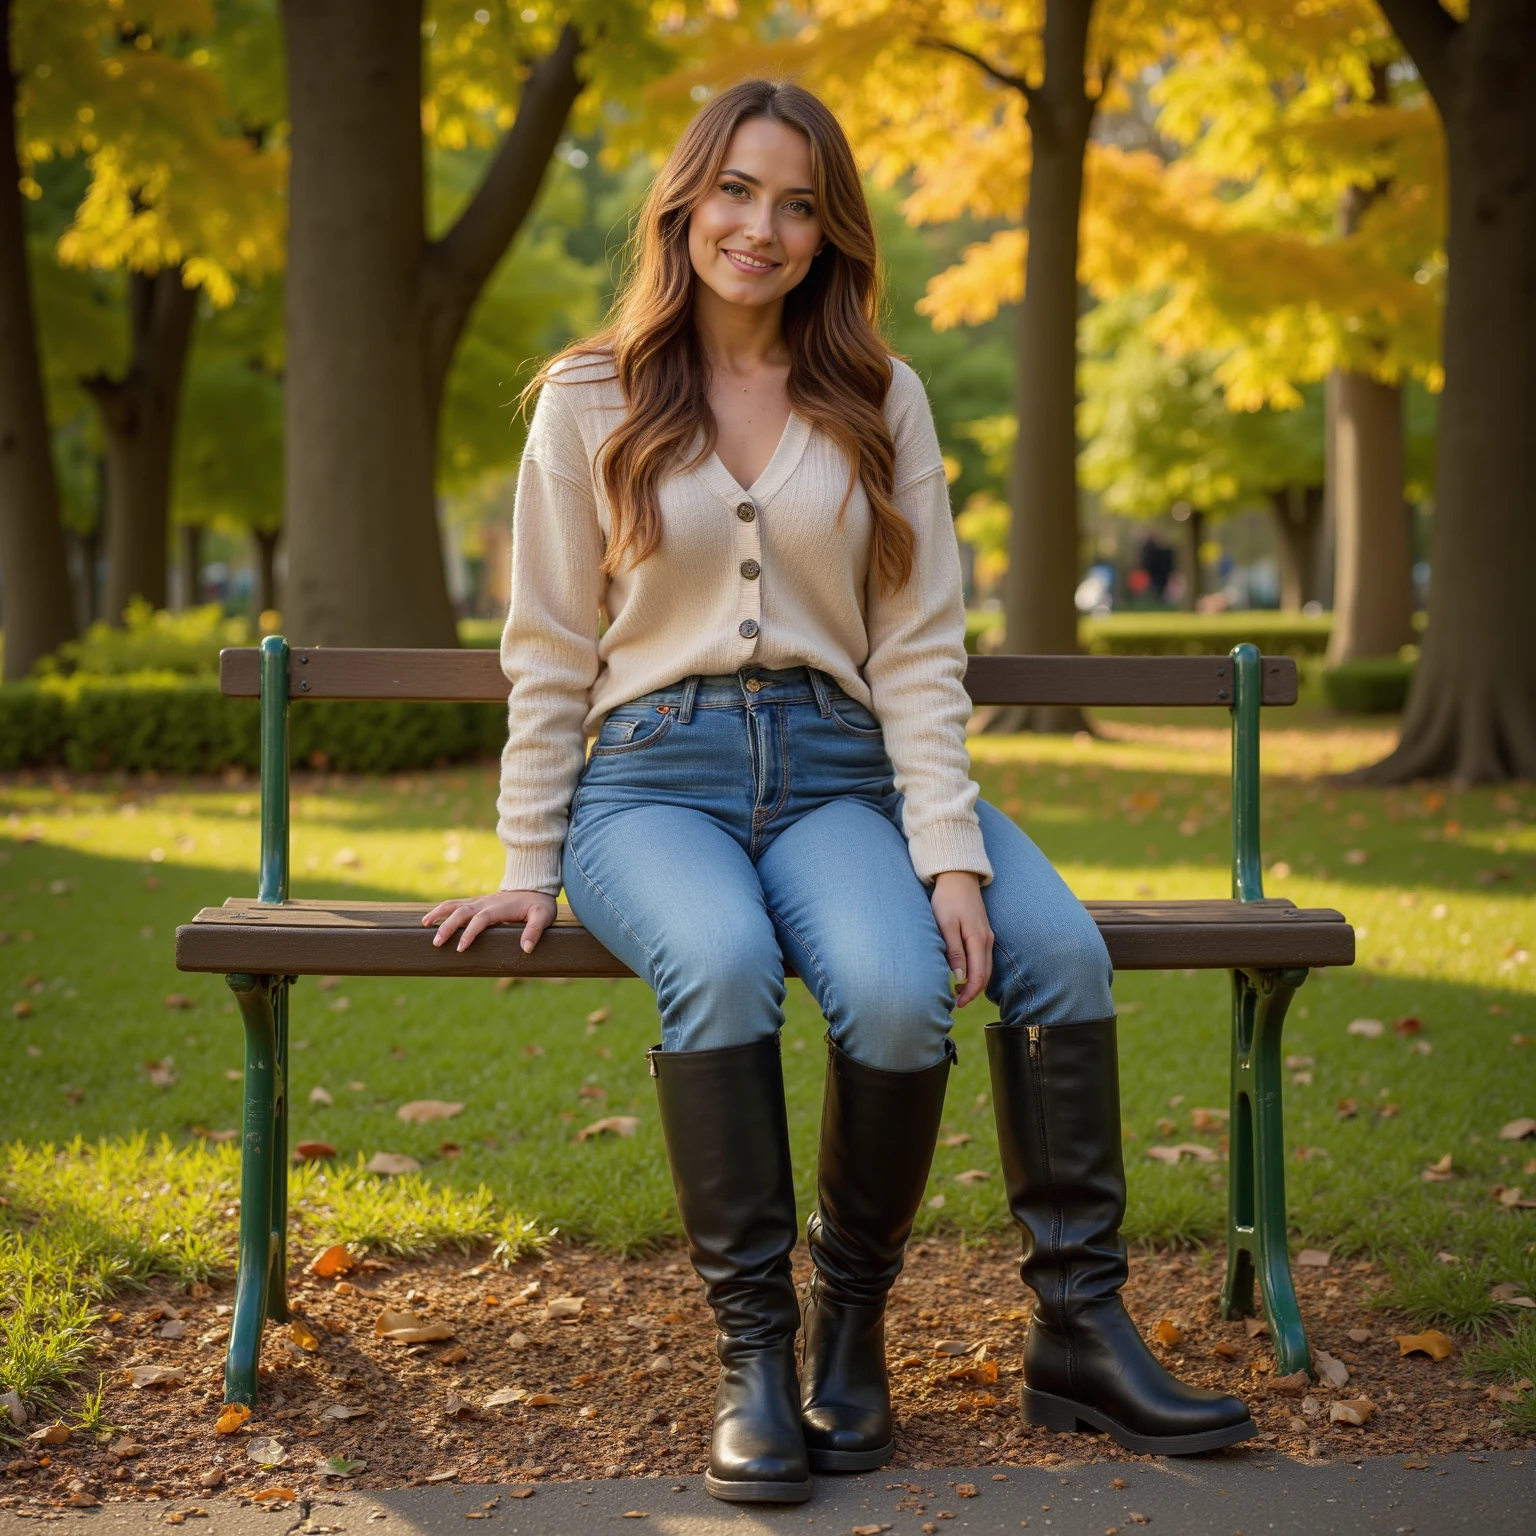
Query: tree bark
{"points": [[138, 417], [36, 602], [375, 310], [189, 565], [264, 592], [1298, 513], [1043, 537], [1194, 541], [1472, 710], [1373, 551]]}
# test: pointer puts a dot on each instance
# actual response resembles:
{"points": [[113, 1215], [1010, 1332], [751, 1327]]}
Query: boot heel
{"points": [[1053, 1413]]}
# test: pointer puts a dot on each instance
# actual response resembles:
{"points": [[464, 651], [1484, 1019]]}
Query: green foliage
{"points": [[1509, 1360], [1178, 634], [34, 722], [1374, 686], [152, 640]]}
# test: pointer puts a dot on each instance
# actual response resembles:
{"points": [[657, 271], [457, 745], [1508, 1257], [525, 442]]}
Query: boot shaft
{"points": [[1056, 1096]]}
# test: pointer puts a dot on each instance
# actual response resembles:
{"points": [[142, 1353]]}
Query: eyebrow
{"points": [[743, 176]]}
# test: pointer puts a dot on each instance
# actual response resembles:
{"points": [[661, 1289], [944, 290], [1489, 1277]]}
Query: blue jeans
{"points": [[720, 827]]}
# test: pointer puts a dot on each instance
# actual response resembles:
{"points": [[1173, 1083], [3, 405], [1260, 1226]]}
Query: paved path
{"points": [[1255, 1494]]}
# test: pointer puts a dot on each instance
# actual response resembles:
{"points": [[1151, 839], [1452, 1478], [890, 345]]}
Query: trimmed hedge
{"points": [[1178, 634], [185, 725], [1378, 686]]}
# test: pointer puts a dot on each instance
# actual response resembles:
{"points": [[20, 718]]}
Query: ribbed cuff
{"points": [[944, 845], [533, 869]]}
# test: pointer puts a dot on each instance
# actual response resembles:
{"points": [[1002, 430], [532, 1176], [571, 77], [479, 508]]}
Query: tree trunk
{"points": [[1373, 580], [1472, 710], [1298, 513], [374, 312], [1194, 537], [138, 416], [265, 590], [1043, 539], [189, 565], [36, 603]]}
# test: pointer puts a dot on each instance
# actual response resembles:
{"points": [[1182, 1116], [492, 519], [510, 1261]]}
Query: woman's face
{"points": [[752, 236]]}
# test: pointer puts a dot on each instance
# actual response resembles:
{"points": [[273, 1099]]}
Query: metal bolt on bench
{"points": [[264, 946]]}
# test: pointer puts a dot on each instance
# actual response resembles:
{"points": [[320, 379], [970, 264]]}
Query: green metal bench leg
{"points": [[277, 1284], [260, 1174], [1256, 1220]]}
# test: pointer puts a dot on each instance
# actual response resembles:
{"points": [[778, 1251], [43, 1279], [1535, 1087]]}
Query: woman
{"points": [[739, 476]]}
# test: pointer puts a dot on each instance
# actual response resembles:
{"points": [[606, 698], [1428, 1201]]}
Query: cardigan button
{"points": [[747, 629], [746, 511], [751, 569]]}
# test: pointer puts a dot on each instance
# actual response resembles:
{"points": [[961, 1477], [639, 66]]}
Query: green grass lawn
{"points": [[1441, 885]]}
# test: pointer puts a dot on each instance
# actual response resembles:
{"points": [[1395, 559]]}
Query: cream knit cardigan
{"points": [[692, 606]]}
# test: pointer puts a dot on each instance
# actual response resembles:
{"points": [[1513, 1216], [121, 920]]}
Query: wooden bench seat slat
{"points": [[386, 939], [447, 676]]}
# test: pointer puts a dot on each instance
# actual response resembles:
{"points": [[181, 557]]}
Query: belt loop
{"points": [[819, 688], [690, 688]]}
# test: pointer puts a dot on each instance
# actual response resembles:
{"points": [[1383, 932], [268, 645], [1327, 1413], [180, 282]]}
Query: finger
{"points": [[978, 968], [473, 929], [954, 947], [452, 923], [533, 929], [437, 912]]}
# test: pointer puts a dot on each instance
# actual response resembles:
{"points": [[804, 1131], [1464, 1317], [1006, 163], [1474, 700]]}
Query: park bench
{"points": [[262, 946]]}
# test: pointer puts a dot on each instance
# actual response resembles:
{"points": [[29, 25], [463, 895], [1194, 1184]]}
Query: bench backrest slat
{"points": [[475, 677]]}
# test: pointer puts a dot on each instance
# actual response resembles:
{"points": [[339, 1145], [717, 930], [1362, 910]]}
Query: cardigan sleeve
{"points": [[549, 645], [917, 659]]}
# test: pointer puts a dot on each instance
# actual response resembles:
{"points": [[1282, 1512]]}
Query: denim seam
{"points": [[608, 902], [778, 805], [858, 732], [826, 985], [1019, 977]]}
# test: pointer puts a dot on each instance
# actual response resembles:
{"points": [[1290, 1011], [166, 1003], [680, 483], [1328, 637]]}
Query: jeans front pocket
{"points": [[853, 719], [630, 729]]}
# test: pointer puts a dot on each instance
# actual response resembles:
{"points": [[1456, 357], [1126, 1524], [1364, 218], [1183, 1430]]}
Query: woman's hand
{"points": [[473, 914], [962, 918]]}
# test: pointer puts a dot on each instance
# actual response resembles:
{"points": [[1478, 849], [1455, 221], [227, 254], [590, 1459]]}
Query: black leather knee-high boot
{"points": [[722, 1113], [1056, 1091], [877, 1135]]}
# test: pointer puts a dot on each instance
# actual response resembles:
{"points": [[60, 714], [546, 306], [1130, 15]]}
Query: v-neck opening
{"points": [[781, 464]]}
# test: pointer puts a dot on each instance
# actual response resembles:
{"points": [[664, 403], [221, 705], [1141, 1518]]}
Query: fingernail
{"points": [[527, 947], [959, 978]]}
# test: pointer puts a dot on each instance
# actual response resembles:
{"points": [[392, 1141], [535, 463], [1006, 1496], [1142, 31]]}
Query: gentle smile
{"points": [[746, 263]]}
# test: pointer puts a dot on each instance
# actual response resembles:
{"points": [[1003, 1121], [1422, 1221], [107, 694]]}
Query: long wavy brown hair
{"points": [[840, 368]]}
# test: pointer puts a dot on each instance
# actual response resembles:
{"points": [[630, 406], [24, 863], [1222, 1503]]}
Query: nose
{"points": [[758, 226]]}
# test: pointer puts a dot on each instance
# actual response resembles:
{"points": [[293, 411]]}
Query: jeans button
{"points": [[746, 511], [753, 686], [751, 569], [747, 629]]}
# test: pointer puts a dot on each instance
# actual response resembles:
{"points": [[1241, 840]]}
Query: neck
{"points": [[739, 338]]}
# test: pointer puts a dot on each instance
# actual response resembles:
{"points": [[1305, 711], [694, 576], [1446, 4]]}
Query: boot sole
{"points": [[1064, 1417], [849, 1461], [758, 1493]]}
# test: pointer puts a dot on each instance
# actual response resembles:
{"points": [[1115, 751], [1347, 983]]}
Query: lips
{"points": [[747, 263]]}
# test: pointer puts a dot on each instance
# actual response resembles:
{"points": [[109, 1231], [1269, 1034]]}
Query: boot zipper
{"points": [[1038, 1073], [650, 1059]]}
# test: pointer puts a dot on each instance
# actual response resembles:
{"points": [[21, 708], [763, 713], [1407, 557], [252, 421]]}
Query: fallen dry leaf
{"points": [[965, 1490], [972, 1176], [542, 1400], [1511, 1294], [1314, 1258], [506, 1397], [1440, 1172], [610, 1125], [179, 1000], [302, 1336], [267, 1451], [959, 1139], [420, 1111], [159, 1073], [126, 1450], [1192, 1149], [231, 1417], [1431, 1342], [1331, 1370], [869, 1530], [565, 1309], [1518, 1130], [275, 1495], [1291, 1386], [1168, 1332], [392, 1162], [343, 1411], [951, 1347], [313, 1151], [455, 1356], [320, 1096], [54, 1434], [1356, 1411], [157, 1376], [598, 1016], [1226, 1350], [1367, 1029], [1209, 1119], [984, 1371], [408, 1328], [331, 1262]]}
